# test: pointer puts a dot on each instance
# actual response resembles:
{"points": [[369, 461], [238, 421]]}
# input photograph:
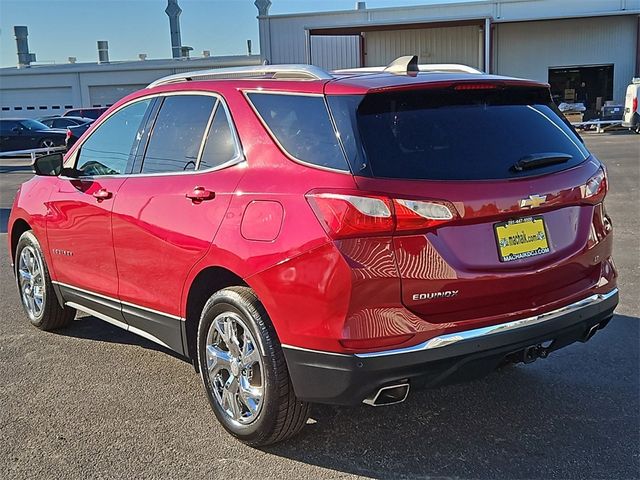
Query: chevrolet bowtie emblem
{"points": [[533, 201]]}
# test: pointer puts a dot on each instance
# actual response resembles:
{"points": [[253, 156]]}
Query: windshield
{"points": [[455, 135], [33, 125]]}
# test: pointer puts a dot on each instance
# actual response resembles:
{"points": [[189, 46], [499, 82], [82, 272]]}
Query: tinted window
{"points": [[177, 134], [62, 123], [107, 150], [302, 126], [220, 146], [456, 135], [33, 125]]}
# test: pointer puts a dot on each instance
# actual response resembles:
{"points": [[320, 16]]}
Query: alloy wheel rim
{"points": [[47, 143], [31, 281], [235, 368]]}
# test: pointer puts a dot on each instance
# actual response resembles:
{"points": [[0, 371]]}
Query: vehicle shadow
{"points": [[89, 327], [574, 415]]}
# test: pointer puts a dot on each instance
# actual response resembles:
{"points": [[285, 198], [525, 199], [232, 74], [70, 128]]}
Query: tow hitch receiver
{"points": [[531, 354]]}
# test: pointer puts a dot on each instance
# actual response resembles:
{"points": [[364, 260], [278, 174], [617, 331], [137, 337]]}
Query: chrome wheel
{"points": [[235, 368], [47, 143], [31, 281]]}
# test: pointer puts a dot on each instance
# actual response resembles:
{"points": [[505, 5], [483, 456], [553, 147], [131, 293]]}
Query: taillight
{"points": [[345, 215], [354, 215], [418, 214], [595, 189], [635, 104], [68, 134]]}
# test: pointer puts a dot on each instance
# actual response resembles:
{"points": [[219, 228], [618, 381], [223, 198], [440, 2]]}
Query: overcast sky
{"points": [[59, 29]]}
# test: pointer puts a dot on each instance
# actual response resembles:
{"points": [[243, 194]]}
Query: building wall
{"points": [[529, 49], [51, 89], [432, 45], [283, 37]]}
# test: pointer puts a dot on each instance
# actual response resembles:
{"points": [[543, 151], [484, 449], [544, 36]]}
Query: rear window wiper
{"points": [[537, 160]]}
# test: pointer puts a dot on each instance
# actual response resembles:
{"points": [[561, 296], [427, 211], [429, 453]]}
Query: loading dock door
{"points": [[334, 52], [591, 85]]}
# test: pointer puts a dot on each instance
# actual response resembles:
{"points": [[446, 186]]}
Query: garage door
{"points": [[107, 95], [34, 102], [433, 45]]}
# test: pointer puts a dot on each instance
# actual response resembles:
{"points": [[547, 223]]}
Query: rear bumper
{"points": [[635, 120], [343, 379]]}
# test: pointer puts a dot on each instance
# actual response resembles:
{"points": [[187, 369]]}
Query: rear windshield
{"points": [[455, 135]]}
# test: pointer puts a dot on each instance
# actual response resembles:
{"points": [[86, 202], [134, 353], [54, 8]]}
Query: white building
{"points": [[41, 90], [567, 43], [563, 42]]}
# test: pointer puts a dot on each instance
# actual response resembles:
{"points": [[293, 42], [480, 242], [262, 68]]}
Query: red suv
{"points": [[304, 236]]}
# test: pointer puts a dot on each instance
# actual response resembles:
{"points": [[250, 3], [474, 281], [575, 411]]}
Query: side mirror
{"points": [[48, 165]]}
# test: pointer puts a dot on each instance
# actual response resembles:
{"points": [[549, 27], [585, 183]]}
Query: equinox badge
{"points": [[433, 295]]}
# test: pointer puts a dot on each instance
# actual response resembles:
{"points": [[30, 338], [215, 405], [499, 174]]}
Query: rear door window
{"points": [[302, 126], [177, 134], [456, 135], [221, 146]]}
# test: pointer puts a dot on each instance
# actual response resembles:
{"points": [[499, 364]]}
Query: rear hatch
{"points": [[505, 187]]}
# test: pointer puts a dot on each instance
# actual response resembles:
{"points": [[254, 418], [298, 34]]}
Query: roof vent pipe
{"points": [[173, 11], [24, 57], [361, 5], [103, 51]]}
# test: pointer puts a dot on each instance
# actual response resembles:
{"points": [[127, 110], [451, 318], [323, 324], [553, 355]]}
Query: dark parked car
{"points": [[64, 122], [85, 112], [24, 133]]}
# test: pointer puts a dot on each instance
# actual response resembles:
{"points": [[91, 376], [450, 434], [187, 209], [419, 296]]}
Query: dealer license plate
{"points": [[521, 238]]}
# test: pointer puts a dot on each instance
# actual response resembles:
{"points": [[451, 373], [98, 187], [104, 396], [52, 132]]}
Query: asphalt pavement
{"points": [[93, 401]]}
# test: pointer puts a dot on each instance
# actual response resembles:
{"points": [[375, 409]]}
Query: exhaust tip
{"points": [[592, 331], [389, 395]]}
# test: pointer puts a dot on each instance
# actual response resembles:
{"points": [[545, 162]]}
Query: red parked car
{"points": [[305, 236]]}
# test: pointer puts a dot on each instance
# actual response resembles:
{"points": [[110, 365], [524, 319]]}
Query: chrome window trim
{"points": [[452, 338], [275, 138], [205, 136], [239, 158], [72, 287]]}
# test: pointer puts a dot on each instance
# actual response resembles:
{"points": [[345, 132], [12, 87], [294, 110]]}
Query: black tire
{"points": [[282, 415], [51, 316]]}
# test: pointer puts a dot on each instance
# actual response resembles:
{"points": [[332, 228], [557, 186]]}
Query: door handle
{"points": [[198, 194], [102, 194]]}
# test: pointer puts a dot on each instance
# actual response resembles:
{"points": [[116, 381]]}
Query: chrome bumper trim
{"points": [[451, 338]]}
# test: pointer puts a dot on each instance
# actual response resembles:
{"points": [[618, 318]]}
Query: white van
{"points": [[631, 118]]}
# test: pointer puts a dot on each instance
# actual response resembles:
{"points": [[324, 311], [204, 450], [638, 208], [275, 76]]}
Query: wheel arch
{"points": [[17, 229], [208, 281]]}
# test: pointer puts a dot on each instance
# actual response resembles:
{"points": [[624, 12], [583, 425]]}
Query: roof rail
{"points": [[423, 67], [294, 71]]}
